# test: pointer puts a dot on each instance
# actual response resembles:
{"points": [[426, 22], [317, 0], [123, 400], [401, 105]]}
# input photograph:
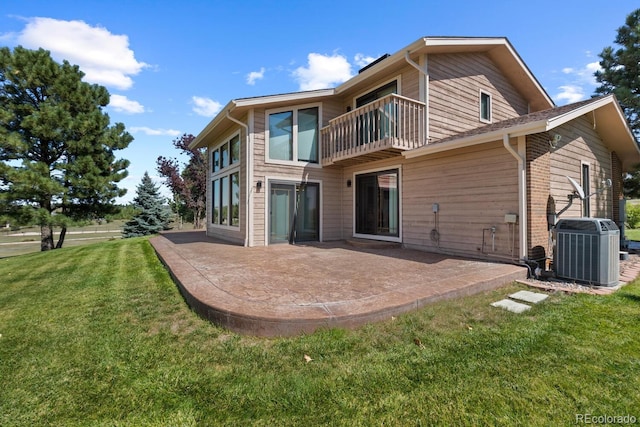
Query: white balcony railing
{"points": [[392, 123]]}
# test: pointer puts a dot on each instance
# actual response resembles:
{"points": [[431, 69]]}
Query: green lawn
{"points": [[99, 335]]}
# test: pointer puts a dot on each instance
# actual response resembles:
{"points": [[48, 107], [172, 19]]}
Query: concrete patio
{"points": [[284, 290]]}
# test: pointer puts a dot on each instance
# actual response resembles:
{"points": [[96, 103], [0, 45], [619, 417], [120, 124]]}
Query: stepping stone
{"points": [[528, 296], [511, 305]]}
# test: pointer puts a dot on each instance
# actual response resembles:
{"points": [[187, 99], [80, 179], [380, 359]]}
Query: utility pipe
{"points": [[522, 195], [426, 92], [249, 174]]}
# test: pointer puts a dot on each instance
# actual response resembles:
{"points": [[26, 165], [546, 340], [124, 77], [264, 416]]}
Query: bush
{"points": [[633, 215]]}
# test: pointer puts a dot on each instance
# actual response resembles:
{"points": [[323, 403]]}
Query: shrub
{"points": [[633, 215]]}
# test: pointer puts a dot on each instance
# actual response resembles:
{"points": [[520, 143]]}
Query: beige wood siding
{"points": [[455, 81], [330, 179], [580, 144], [474, 187]]}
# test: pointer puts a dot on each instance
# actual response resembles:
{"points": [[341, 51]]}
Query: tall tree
{"points": [[189, 186], [57, 161], [620, 75], [153, 215]]}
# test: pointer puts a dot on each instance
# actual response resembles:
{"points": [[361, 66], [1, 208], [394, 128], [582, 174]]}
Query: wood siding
{"points": [[474, 188], [455, 81], [330, 179], [580, 144]]}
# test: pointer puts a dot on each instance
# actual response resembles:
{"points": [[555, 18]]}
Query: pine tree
{"points": [[57, 162], [153, 215], [620, 75]]}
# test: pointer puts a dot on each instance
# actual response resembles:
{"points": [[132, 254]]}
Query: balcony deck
{"points": [[381, 129]]}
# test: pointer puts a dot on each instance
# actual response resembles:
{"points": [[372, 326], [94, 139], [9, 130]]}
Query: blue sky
{"points": [[170, 66]]}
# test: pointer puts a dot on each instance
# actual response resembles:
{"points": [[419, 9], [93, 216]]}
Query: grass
{"points": [[99, 335], [633, 234]]}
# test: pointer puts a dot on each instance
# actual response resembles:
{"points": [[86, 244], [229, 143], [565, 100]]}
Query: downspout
{"points": [[426, 92], [249, 175], [522, 196]]}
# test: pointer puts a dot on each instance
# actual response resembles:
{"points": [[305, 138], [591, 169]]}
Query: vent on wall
{"points": [[587, 250]]}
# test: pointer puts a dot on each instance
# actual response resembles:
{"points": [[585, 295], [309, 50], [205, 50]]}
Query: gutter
{"points": [[522, 195], [249, 188]]}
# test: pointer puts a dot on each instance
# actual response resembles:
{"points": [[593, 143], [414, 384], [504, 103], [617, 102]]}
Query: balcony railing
{"points": [[379, 129]]}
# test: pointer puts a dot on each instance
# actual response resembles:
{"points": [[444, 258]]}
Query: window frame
{"points": [[294, 110], [585, 182], [225, 174], [489, 98]]}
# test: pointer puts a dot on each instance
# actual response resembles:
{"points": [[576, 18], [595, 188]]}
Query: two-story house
{"points": [[449, 145]]}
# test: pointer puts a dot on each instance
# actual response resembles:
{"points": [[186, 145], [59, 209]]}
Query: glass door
{"points": [[294, 212], [377, 204]]}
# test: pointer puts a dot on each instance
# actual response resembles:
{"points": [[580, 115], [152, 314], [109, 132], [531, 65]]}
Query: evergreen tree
{"points": [[153, 216], [620, 75], [57, 162]]}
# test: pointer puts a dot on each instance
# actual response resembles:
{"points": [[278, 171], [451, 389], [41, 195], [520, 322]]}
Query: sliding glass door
{"points": [[377, 204], [294, 212]]}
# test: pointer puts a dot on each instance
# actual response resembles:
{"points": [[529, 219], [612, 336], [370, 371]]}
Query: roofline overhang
{"points": [[243, 104], [425, 44], [532, 128]]}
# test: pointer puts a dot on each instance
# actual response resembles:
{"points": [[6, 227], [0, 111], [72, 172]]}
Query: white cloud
{"points": [[122, 104], [154, 132], [255, 75], [205, 106], [578, 84], [570, 93], [105, 58], [363, 60], [322, 71]]}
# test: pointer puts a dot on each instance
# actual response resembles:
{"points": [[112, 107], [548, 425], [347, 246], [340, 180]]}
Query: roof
{"points": [[499, 50], [607, 116]]}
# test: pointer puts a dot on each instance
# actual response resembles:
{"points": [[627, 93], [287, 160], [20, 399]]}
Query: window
{"points": [[586, 205], [235, 199], [235, 149], [215, 161], [225, 185], [215, 202], [485, 107], [293, 135]]}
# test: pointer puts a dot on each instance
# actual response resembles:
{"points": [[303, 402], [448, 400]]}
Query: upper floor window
{"points": [[378, 93], [485, 107], [293, 135], [225, 155]]}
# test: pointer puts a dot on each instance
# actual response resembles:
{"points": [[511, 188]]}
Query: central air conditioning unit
{"points": [[587, 250]]}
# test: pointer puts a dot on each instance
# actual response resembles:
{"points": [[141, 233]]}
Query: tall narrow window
{"points": [[215, 160], [215, 202], [235, 199], [485, 107], [224, 200], [235, 149], [308, 135], [586, 206], [281, 135], [224, 155]]}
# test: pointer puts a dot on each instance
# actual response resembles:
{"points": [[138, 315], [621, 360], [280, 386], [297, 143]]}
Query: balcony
{"points": [[381, 129]]}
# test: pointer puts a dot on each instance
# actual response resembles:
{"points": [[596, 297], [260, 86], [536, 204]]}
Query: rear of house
{"points": [[449, 145]]}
